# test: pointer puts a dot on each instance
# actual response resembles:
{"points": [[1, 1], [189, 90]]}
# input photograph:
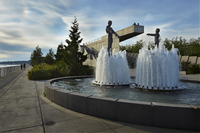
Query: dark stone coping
{"points": [[175, 116]]}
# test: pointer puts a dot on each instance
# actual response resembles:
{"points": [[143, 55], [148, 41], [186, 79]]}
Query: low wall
{"points": [[8, 69], [185, 117]]}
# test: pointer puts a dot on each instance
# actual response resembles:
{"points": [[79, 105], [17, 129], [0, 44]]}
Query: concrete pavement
{"points": [[191, 77], [24, 108]]}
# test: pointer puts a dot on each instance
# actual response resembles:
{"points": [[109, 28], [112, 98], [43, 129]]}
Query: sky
{"points": [[26, 24]]}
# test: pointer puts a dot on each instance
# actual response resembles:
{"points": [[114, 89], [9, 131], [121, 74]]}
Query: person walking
{"points": [[24, 66]]}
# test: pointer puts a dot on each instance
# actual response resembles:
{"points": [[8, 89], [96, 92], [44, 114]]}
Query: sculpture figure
{"points": [[110, 31], [156, 36]]}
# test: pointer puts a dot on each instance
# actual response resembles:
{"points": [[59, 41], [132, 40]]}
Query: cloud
{"points": [[3, 56], [26, 24], [14, 55], [94, 27], [35, 26], [148, 17]]}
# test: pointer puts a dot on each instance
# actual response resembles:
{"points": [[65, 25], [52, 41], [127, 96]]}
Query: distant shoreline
{"points": [[14, 62], [2, 65]]}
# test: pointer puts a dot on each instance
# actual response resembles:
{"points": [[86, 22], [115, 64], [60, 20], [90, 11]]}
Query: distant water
{"points": [[8, 65]]}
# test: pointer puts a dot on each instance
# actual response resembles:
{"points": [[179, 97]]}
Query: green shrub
{"points": [[40, 71], [45, 71], [86, 70], [193, 69], [185, 66]]}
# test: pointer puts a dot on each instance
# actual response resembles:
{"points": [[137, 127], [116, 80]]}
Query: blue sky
{"points": [[24, 24]]}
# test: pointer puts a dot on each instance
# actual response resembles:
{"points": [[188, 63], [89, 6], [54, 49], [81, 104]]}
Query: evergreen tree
{"points": [[59, 53], [49, 58], [36, 56], [72, 57]]}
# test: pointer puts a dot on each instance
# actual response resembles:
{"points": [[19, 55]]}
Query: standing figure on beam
{"points": [[110, 31], [157, 35]]}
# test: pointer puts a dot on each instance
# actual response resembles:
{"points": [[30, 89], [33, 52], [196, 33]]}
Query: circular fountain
{"points": [[112, 70], [157, 69]]}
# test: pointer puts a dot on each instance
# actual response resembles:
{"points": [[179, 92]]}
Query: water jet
{"points": [[157, 69]]}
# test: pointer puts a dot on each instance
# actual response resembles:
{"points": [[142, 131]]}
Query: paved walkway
{"points": [[191, 77], [23, 108]]}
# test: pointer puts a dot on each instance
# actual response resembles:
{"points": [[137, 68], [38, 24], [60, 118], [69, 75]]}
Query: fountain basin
{"points": [[179, 116], [84, 86]]}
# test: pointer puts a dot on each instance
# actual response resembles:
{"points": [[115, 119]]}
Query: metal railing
{"points": [[6, 70], [97, 39]]}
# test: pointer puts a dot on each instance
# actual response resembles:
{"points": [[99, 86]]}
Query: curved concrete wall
{"points": [[6, 70], [186, 117]]}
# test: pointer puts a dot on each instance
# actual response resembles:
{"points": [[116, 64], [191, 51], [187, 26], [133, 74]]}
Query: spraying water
{"points": [[157, 69], [113, 69]]}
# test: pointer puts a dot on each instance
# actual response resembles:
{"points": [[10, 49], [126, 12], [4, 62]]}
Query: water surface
{"points": [[188, 96]]}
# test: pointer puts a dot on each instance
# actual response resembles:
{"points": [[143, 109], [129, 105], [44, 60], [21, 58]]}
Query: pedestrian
{"points": [[21, 66], [24, 66]]}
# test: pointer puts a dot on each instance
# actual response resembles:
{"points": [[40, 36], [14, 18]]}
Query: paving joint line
{"points": [[38, 96], [18, 98], [20, 128], [107, 125], [69, 119]]}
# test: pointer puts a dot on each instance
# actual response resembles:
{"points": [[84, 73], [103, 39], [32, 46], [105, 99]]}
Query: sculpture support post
{"points": [[115, 44]]}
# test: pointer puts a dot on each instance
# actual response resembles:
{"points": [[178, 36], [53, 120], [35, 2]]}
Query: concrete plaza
{"points": [[24, 108]]}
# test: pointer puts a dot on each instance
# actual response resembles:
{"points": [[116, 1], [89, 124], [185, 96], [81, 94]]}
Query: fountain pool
{"points": [[188, 96]]}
